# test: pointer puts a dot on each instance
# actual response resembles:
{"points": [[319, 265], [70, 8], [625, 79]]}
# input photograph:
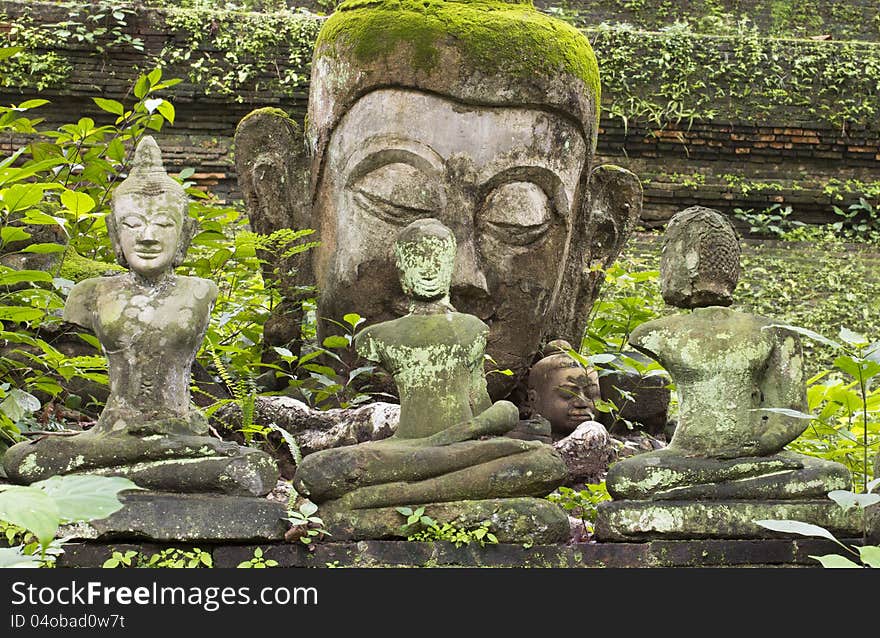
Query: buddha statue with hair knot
{"points": [[739, 378], [150, 323]]}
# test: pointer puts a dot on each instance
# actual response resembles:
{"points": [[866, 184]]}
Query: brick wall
{"points": [[790, 159]]}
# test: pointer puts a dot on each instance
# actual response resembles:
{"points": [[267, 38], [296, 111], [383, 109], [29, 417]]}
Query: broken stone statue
{"points": [[150, 323], [725, 465], [447, 454], [482, 115], [563, 393]]}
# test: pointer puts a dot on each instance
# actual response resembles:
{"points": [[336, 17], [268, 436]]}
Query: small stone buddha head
{"points": [[425, 252], [148, 224], [561, 390], [699, 265]]}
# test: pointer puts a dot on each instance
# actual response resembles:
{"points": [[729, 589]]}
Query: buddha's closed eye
{"points": [[397, 193]]}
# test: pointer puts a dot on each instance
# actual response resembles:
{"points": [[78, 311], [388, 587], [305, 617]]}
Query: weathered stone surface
{"points": [[725, 465], [422, 121], [312, 429], [587, 452], [367, 554], [188, 517], [700, 265], [448, 445], [512, 520], [667, 474], [734, 519], [150, 323]]}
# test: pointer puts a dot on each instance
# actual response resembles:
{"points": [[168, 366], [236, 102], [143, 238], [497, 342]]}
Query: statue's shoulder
{"points": [[471, 323], [200, 288], [82, 300]]}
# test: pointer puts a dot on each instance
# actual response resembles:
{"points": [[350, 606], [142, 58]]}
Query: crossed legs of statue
{"points": [[454, 464]]}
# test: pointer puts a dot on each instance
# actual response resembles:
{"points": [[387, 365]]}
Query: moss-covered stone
{"points": [[509, 35]]}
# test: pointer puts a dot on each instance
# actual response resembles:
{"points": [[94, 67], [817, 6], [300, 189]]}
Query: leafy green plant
{"points": [[868, 555], [582, 504], [42, 507], [423, 528], [258, 561], [847, 426], [305, 526], [172, 557], [860, 218], [773, 221]]}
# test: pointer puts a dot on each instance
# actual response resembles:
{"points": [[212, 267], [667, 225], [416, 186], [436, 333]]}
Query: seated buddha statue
{"points": [[449, 446], [732, 371], [150, 323]]}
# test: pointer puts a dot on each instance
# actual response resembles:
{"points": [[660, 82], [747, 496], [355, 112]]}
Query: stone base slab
{"points": [[511, 520], [181, 518], [645, 520], [380, 554]]}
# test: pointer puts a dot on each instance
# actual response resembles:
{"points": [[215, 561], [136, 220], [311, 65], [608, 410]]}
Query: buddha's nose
{"points": [[467, 274]]}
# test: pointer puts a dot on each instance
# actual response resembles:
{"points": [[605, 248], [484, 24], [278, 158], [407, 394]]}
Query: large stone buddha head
{"points": [[483, 115]]}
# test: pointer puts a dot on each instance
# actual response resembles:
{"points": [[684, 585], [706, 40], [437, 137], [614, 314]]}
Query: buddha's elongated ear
{"points": [[113, 232], [188, 229], [611, 208]]}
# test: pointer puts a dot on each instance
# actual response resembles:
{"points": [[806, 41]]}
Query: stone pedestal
{"points": [[511, 520], [718, 519], [161, 516]]}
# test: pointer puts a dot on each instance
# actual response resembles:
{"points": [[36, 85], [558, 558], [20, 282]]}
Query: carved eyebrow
{"points": [[544, 178], [382, 149]]}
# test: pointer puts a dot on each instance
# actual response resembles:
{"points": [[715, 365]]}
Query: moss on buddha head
{"points": [[484, 52]]}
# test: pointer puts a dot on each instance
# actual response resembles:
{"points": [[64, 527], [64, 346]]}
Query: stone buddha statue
{"points": [[447, 452], [482, 115], [150, 323], [731, 369]]}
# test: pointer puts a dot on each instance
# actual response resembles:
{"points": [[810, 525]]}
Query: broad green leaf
{"points": [[22, 196], [353, 319], [600, 359], [870, 555], [14, 174], [13, 233], [335, 341], [84, 497], [13, 557], [19, 404], [796, 527], [31, 508], [308, 508], [141, 87], [166, 110], [847, 499], [9, 277], [20, 314], [76, 202], [8, 52], [852, 338], [43, 249], [116, 150], [284, 352], [835, 561], [786, 411], [154, 76], [111, 106], [39, 218]]}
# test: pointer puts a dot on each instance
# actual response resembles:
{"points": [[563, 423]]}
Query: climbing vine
{"points": [[228, 52]]}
